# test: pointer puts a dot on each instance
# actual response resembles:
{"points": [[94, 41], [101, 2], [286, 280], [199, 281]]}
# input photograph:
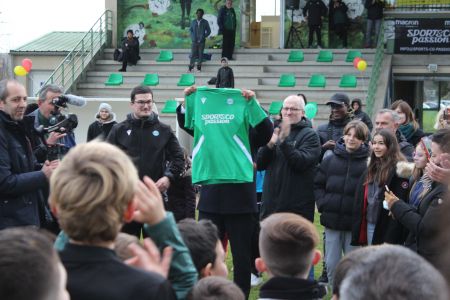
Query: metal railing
{"points": [[422, 5], [376, 69], [72, 66]]}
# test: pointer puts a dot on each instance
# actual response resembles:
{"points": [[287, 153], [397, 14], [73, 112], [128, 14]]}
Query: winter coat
{"points": [[132, 49], [362, 116], [422, 223], [225, 78], [100, 128], [374, 9], [387, 229], [333, 130], [337, 15], [415, 138], [224, 12], [405, 148], [290, 169], [315, 10], [21, 180], [200, 35], [181, 196], [335, 185], [291, 288], [151, 145]]}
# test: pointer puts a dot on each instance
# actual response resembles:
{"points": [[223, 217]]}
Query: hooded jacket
{"points": [[101, 128], [362, 116], [21, 180], [387, 229], [151, 145], [335, 185], [290, 169]]}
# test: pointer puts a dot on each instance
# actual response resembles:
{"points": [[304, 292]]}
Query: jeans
{"points": [[336, 243], [197, 53], [370, 231], [372, 24]]}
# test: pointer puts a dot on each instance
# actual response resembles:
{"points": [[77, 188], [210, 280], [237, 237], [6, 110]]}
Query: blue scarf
{"points": [[407, 130]]}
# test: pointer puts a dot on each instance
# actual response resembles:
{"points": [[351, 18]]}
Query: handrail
{"points": [[97, 38], [376, 69]]}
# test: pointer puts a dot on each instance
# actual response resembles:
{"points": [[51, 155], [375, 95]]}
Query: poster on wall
{"points": [[422, 36], [165, 23]]}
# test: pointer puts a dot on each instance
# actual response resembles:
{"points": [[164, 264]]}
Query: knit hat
{"points": [[105, 106], [425, 142], [339, 98]]}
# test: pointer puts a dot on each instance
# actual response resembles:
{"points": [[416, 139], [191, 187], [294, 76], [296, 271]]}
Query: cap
{"points": [[339, 98]]}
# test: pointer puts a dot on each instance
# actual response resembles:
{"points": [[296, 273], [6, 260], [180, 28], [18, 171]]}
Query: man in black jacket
{"points": [[227, 27], [130, 51], [374, 17], [22, 179], [314, 12], [151, 145]]}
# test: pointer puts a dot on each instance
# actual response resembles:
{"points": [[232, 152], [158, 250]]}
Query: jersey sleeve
{"points": [[190, 111], [255, 112]]}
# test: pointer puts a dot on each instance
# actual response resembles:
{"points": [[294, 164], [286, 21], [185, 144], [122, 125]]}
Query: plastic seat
{"points": [[114, 79], [296, 56], [275, 107], [151, 79], [348, 81], [317, 80], [186, 80], [170, 107], [165, 56], [287, 80], [352, 54], [325, 56]]}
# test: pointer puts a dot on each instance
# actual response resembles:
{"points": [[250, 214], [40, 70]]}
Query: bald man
{"points": [[290, 159]]}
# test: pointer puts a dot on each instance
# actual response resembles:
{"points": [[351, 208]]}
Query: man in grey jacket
{"points": [[199, 30]]}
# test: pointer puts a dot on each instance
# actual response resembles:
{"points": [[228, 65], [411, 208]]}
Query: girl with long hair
{"points": [[409, 127]]}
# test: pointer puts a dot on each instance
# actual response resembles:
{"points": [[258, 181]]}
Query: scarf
{"points": [[407, 130]]}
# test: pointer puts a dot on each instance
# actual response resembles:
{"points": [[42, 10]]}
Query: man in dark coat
{"points": [[290, 159], [360, 115], [314, 12], [22, 179], [199, 31], [227, 27], [374, 17], [151, 145], [130, 51]]}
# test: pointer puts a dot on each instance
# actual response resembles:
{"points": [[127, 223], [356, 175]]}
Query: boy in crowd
{"points": [[215, 288], [92, 217], [287, 244], [225, 77], [105, 119]]}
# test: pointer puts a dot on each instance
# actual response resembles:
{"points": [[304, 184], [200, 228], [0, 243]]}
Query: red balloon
{"points": [[356, 61], [27, 64]]}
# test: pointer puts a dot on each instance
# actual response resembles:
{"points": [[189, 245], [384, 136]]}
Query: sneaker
{"points": [[255, 280], [190, 69], [122, 70]]}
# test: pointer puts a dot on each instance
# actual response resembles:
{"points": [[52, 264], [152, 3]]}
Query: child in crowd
{"points": [[287, 244], [225, 77], [215, 288]]}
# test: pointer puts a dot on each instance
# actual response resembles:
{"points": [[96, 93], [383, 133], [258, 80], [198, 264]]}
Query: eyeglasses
{"points": [[142, 103], [291, 109]]}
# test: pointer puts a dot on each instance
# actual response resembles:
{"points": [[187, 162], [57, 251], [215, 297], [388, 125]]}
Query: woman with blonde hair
{"points": [[408, 125]]}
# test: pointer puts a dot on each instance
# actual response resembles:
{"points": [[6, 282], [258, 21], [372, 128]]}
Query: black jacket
{"points": [[290, 170], [315, 10], [422, 223], [95, 273], [131, 47], [374, 9], [335, 185], [337, 15], [151, 145], [405, 148], [362, 116], [223, 11], [100, 129], [415, 138], [232, 198], [292, 289], [387, 229], [333, 130], [21, 180], [225, 78]]}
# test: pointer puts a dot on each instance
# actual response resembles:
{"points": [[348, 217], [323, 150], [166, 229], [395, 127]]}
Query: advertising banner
{"points": [[422, 36]]}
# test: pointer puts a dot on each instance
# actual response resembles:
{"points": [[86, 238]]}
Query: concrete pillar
{"points": [[112, 6]]}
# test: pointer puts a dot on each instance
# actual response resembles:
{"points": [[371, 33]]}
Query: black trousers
{"points": [[129, 57], [229, 37], [239, 229], [318, 31], [341, 31]]}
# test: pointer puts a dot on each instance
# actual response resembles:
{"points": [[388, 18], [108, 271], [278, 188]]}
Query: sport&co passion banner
{"points": [[422, 36]]}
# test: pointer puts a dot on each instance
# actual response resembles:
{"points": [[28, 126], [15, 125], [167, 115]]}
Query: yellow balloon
{"points": [[20, 71], [362, 65]]}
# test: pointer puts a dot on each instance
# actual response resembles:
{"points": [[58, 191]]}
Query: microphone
{"points": [[75, 100]]}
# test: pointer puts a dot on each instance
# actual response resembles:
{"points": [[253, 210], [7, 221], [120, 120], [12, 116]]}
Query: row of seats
{"points": [[150, 79], [317, 80]]}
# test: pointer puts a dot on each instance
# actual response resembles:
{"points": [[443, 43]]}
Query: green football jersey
{"points": [[220, 119]]}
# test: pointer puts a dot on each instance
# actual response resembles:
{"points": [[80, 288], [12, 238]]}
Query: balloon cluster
{"points": [[24, 68], [360, 64]]}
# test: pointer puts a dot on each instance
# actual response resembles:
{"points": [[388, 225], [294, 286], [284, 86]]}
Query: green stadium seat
{"points": [[165, 56], [114, 79], [170, 107], [352, 54], [186, 80], [296, 56], [275, 107], [348, 81], [151, 79], [287, 80], [317, 80], [325, 56]]}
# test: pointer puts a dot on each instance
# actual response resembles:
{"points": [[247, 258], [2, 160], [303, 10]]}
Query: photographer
{"points": [[47, 115]]}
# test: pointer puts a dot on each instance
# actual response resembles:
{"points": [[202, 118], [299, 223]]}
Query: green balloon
{"points": [[311, 110]]}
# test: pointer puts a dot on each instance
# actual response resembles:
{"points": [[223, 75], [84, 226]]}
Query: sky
{"points": [[22, 21]]}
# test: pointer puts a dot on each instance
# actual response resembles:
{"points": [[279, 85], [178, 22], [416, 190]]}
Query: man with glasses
{"points": [[150, 144], [290, 159]]}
